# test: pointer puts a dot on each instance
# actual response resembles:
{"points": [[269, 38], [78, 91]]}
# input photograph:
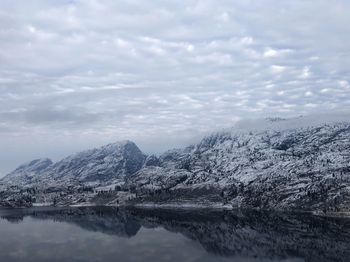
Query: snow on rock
{"points": [[276, 168], [277, 163], [105, 165], [27, 172]]}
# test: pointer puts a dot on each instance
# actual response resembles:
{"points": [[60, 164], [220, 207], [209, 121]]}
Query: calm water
{"points": [[111, 234]]}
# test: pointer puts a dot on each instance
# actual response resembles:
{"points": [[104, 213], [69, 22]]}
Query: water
{"points": [[112, 234]]}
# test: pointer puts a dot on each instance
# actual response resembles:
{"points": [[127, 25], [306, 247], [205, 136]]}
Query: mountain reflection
{"points": [[253, 234]]}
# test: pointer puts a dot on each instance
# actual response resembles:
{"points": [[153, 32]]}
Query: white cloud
{"points": [[224, 17], [32, 29], [272, 53], [97, 71], [344, 84], [277, 69], [247, 40], [311, 105], [213, 58], [305, 72], [308, 93], [190, 48], [314, 58]]}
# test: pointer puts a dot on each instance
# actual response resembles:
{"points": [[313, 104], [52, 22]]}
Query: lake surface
{"points": [[112, 234]]}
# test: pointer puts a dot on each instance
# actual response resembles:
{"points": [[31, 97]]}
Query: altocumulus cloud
{"points": [[75, 74]]}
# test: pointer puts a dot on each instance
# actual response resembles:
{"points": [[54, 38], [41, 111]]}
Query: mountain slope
{"points": [[108, 164], [279, 165], [301, 168], [27, 172]]}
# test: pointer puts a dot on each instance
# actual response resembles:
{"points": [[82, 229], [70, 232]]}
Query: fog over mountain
{"points": [[77, 74]]}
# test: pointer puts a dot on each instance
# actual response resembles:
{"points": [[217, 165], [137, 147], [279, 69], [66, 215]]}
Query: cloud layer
{"points": [[74, 74]]}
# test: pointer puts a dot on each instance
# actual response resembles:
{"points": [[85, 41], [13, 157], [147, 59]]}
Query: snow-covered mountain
{"points": [[278, 168], [105, 165], [108, 164], [275, 164], [27, 173]]}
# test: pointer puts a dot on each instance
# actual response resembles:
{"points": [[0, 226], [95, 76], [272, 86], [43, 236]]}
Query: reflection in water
{"points": [[244, 235]]}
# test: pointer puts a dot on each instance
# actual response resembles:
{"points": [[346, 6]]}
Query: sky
{"points": [[79, 74]]}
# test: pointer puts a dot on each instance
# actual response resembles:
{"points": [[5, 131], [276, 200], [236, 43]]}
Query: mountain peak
{"points": [[120, 143], [111, 162]]}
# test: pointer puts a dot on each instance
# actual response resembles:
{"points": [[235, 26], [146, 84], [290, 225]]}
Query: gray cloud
{"points": [[74, 74]]}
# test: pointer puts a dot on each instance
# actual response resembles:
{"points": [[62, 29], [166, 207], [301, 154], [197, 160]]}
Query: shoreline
{"points": [[189, 206]]}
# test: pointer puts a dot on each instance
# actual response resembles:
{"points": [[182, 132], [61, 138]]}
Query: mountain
{"points": [[304, 168], [283, 164], [108, 164], [105, 165], [27, 172]]}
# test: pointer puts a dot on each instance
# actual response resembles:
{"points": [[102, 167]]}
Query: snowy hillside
{"points": [[107, 164], [27, 172], [301, 168], [275, 164]]}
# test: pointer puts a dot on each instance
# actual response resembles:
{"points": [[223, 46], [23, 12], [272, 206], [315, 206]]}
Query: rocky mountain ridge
{"points": [[108, 164], [304, 168], [278, 167]]}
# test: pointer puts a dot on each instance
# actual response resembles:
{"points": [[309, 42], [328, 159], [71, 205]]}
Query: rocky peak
{"points": [[106, 164]]}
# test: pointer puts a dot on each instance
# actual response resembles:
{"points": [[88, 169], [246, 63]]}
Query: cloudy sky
{"points": [[77, 74]]}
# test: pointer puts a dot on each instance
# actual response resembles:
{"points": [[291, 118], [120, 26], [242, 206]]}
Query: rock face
{"points": [[277, 166]]}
